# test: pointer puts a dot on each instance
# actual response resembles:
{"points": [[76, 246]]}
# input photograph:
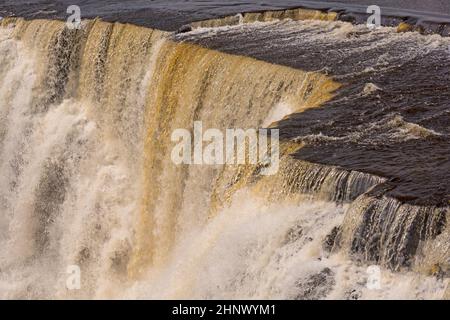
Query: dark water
{"points": [[392, 116], [172, 14]]}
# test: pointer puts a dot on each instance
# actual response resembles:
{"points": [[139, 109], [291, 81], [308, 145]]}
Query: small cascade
{"points": [[384, 231]]}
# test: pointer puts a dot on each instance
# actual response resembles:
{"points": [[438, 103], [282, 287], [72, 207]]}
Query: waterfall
{"points": [[86, 118]]}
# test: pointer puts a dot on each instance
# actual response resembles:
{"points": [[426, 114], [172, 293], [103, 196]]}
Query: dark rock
{"points": [[330, 239]]}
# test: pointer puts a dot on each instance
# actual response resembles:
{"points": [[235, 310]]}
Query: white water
{"points": [[102, 194]]}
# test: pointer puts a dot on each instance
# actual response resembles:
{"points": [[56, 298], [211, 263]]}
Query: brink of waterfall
{"points": [[361, 118]]}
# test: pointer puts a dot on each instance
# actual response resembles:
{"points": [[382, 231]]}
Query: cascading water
{"points": [[86, 118]]}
